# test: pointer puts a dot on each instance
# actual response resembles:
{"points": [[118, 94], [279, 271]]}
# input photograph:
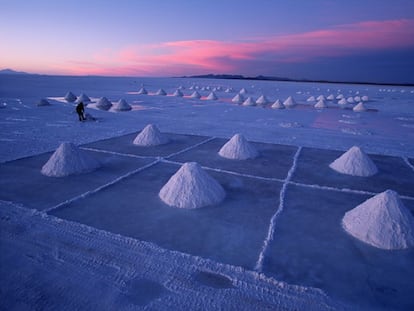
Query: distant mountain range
{"points": [[12, 72], [267, 78]]}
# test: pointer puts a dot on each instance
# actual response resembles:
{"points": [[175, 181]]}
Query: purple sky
{"points": [[353, 40]]}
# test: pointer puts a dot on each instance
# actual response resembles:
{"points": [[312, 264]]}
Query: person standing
{"points": [[80, 109]]}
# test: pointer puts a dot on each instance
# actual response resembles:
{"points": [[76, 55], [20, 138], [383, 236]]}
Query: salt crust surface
{"points": [[381, 221], [354, 162], [238, 148], [191, 187], [150, 136], [67, 160]]}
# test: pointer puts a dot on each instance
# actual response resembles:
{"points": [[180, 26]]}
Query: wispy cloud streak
{"points": [[202, 56]]}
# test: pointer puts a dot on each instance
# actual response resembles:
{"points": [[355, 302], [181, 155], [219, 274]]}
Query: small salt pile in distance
{"points": [[278, 105], [142, 91], [191, 187], [360, 107], [289, 102], [150, 136], [70, 97], [67, 160], [122, 105], [382, 221], [104, 104], [320, 104], [178, 93], [238, 148], [238, 99], [249, 102], [212, 96], [354, 162], [83, 98], [262, 100], [195, 95], [161, 92]]}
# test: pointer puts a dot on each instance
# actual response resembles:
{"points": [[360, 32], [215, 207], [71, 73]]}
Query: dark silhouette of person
{"points": [[80, 109]]}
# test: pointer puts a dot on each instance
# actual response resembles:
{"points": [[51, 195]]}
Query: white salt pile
{"points": [[381, 221], [289, 102], [238, 148], [178, 93], [212, 96], [340, 96], [262, 100], [330, 97], [191, 187], [238, 98], [365, 98], [122, 105], [320, 97], [354, 162], [68, 159], [142, 91], [278, 105], [195, 95], [70, 97], [350, 100], [357, 98], [320, 104], [43, 102], [359, 107], [243, 91], [150, 136], [104, 104], [249, 102], [161, 92], [83, 98], [342, 101], [229, 90], [311, 99]]}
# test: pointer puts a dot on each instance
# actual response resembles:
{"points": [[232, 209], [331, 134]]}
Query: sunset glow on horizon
{"points": [[165, 40]]}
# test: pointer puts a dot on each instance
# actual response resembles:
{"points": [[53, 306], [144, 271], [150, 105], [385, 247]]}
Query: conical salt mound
{"points": [[238, 148], [70, 97], [238, 98], [68, 159], [381, 221], [212, 96], [342, 102], [195, 95], [83, 98], [359, 107], [150, 136], [161, 92], [122, 105], [320, 97], [330, 97], [320, 104], [243, 91], [249, 102], [104, 104], [365, 98], [191, 187], [178, 93], [278, 105], [311, 99], [262, 100], [142, 91], [289, 102], [340, 96], [354, 162], [350, 100]]}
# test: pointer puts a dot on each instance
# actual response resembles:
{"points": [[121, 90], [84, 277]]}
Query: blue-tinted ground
{"points": [[309, 246]]}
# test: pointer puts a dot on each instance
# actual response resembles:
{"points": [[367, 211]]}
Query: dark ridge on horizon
{"points": [[283, 79], [9, 71]]}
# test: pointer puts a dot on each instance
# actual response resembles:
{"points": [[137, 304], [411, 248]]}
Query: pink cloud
{"points": [[204, 56]]}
